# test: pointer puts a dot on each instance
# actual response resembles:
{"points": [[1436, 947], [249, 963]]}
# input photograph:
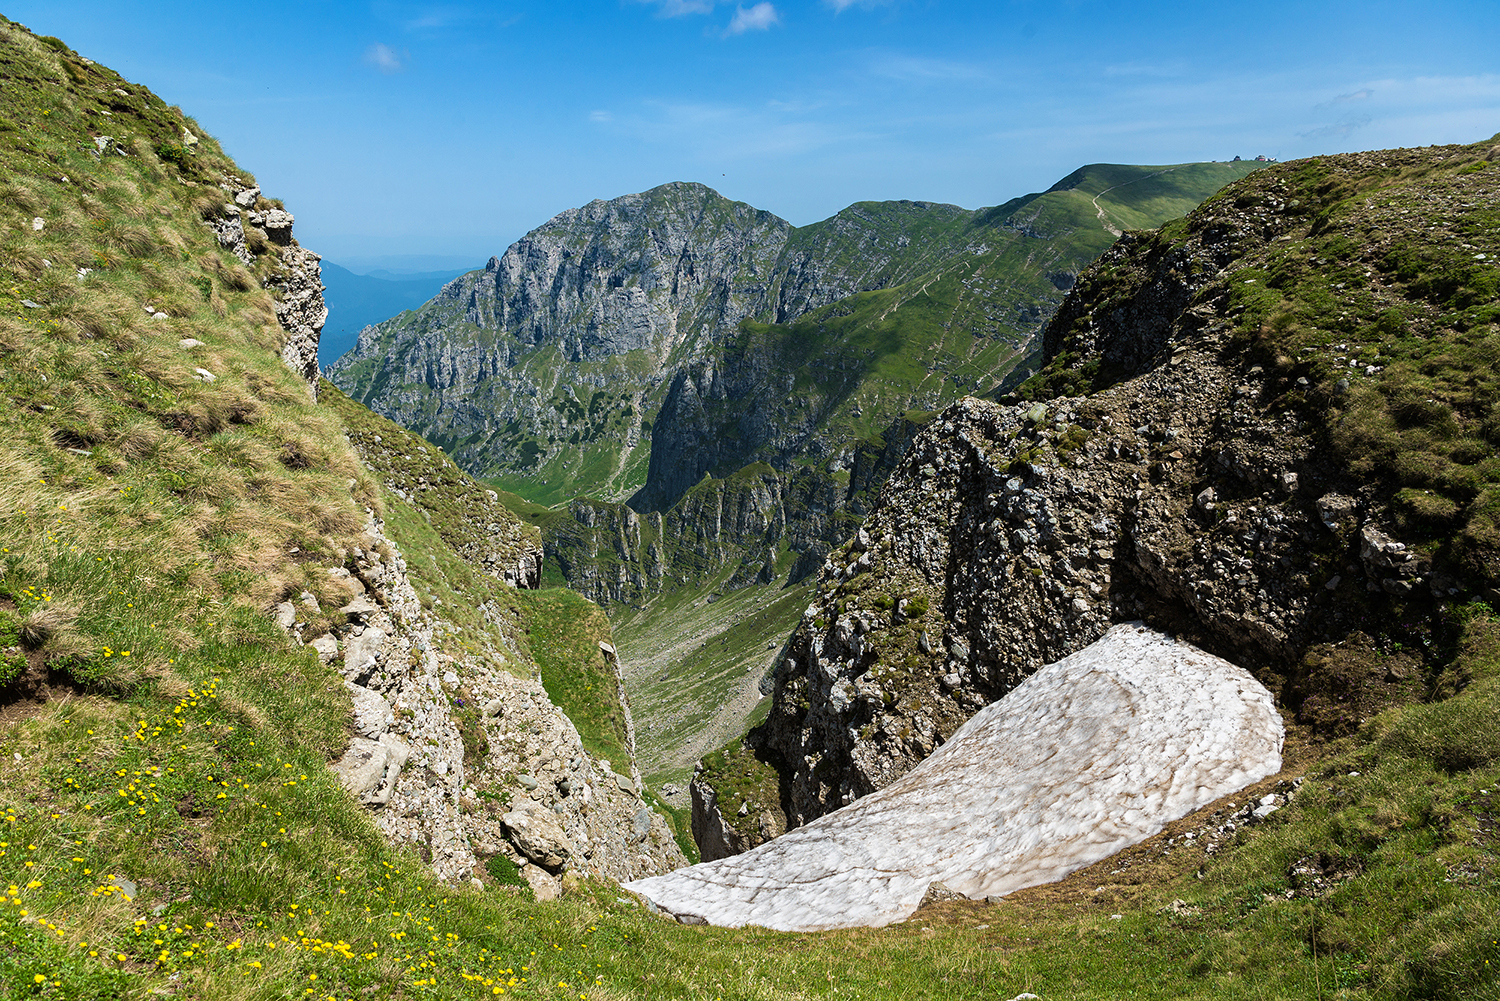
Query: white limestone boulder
{"points": [[1088, 756]]}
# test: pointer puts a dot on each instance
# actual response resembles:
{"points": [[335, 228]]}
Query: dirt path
{"points": [[1109, 227]]}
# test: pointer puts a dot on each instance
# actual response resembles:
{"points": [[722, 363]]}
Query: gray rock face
{"points": [[1090, 755], [714, 838], [294, 280], [409, 763], [300, 309], [1012, 536]]}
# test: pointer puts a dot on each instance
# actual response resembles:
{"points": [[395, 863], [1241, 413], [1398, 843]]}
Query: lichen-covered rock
{"points": [[298, 288], [294, 279], [1090, 755], [538, 836]]}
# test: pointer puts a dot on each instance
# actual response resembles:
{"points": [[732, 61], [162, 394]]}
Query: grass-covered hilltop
{"points": [[219, 579]]}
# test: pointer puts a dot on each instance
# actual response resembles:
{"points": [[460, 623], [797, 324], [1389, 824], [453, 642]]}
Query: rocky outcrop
{"points": [[299, 307], [614, 555], [1091, 755], [529, 791], [1191, 455], [293, 277]]}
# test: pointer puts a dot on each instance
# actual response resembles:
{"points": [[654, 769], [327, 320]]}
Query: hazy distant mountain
{"points": [[355, 301]]}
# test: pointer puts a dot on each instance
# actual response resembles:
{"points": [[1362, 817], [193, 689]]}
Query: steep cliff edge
{"points": [[252, 581], [1268, 429]]}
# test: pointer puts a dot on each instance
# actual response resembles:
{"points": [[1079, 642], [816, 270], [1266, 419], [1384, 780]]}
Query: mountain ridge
{"points": [[508, 367]]}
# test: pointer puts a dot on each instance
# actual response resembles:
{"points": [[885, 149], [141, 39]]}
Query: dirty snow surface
{"points": [[1089, 755]]}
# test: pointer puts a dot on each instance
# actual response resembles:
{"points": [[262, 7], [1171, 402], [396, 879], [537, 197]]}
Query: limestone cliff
{"points": [[463, 759], [258, 231], [460, 749], [1268, 429], [626, 348]]}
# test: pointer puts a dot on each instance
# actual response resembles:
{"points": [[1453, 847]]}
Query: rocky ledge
{"points": [[534, 795]]}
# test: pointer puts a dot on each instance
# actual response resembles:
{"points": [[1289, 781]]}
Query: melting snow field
{"points": [[1089, 755]]}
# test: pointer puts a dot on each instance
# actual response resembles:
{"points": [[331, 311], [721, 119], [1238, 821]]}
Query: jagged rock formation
{"points": [[1250, 468], [534, 794], [292, 274], [1092, 754], [735, 804], [624, 322]]}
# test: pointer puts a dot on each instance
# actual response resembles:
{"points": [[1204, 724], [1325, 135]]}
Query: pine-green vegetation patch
{"points": [[748, 787]]}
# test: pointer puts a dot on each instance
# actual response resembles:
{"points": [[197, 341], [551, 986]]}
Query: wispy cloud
{"points": [[436, 17], [678, 8], [719, 134], [1363, 94], [1338, 130], [1136, 69], [601, 116], [839, 6], [386, 59], [911, 69], [758, 18]]}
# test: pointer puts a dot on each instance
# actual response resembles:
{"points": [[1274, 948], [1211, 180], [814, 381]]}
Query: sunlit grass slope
{"points": [[168, 827]]}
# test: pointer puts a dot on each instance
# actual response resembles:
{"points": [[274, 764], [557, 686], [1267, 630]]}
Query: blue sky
{"points": [[398, 128]]}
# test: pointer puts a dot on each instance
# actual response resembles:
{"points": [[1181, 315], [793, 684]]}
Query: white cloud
{"points": [[839, 6], [677, 8], [1341, 129], [386, 59], [758, 18], [912, 69], [719, 134], [1143, 69], [1359, 95], [601, 116]]}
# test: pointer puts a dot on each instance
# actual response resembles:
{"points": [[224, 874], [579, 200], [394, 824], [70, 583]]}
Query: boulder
{"points": [[327, 648], [372, 713], [362, 653], [369, 768], [538, 836]]}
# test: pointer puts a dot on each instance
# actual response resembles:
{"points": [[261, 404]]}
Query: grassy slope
{"points": [[694, 668], [284, 880]]}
